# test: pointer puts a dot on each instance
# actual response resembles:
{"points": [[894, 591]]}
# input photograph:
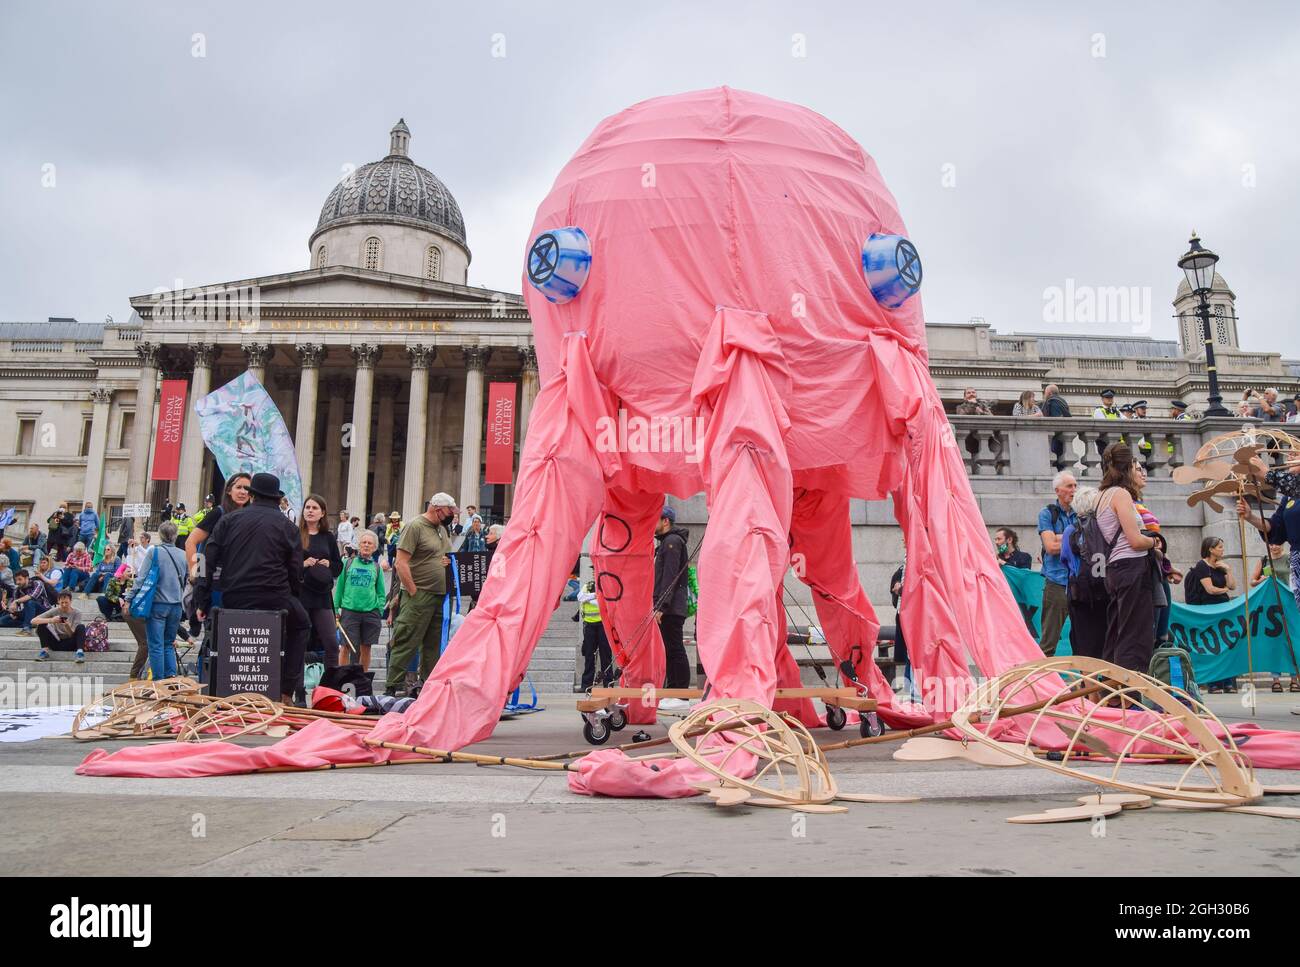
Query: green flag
{"points": [[97, 550]]}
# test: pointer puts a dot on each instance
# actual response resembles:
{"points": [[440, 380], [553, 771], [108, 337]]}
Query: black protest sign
{"points": [[471, 567], [246, 656]]}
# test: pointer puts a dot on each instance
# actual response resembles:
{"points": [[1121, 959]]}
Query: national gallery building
{"points": [[378, 355]]}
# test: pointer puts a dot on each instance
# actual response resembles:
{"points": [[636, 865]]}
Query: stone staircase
{"points": [[555, 666]]}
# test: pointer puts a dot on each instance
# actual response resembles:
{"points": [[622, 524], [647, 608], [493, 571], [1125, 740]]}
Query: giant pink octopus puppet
{"points": [[723, 256]]}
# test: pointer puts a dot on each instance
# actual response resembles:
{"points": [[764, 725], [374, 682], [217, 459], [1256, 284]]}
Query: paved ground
{"points": [[463, 819]]}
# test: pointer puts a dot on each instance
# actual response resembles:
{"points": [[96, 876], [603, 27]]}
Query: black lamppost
{"points": [[1198, 265]]}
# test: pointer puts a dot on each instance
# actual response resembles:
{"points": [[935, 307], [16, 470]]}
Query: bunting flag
{"points": [[243, 428]]}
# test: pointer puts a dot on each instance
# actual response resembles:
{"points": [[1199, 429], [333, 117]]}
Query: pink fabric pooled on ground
{"points": [[319, 744]]}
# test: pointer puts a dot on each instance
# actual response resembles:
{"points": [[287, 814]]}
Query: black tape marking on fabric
{"points": [[626, 540]]}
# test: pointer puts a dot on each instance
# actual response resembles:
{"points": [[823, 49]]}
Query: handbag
{"points": [[142, 599]]}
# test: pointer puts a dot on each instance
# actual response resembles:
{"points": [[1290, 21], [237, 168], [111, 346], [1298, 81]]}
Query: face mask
{"points": [[1002, 548]]}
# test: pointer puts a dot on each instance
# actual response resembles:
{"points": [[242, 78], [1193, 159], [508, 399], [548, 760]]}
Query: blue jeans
{"points": [[72, 578], [23, 621], [160, 632], [95, 583]]}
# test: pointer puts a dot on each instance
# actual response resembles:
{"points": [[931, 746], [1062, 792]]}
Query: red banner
{"points": [[501, 433], [171, 427]]}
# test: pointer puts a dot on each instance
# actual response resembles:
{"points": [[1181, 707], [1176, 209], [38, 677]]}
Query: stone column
{"points": [[528, 388], [102, 397], [417, 416], [304, 437], [433, 468], [336, 388], [137, 477], [258, 354], [359, 453], [471, 454], [387, 387], [286, 393], [190, 484]]}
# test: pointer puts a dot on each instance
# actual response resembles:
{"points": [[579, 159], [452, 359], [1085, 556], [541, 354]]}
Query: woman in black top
{"points": [[321, 564], [1210, 582], [234, 497]]}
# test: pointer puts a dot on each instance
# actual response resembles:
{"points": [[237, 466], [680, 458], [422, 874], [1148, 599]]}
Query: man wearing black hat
{"points": [[1140, 413], [255, 558], [1178, 411], [1107, 409]]}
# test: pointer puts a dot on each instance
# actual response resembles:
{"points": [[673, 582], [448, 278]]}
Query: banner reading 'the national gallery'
{"points": [[500, 434], [171, 427]]}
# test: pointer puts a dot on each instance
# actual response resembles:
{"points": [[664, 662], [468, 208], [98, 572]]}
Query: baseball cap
{"points": [[442, 500], [669, 513]]}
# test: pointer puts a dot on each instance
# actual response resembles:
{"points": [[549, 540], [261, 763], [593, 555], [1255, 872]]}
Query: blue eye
{"points": [[558, 263], [893, 269]]}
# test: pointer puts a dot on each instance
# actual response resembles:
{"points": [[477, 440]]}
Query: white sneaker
{"points": [[673, 704]]}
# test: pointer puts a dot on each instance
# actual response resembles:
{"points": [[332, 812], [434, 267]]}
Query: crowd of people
{"points": [[341, 586], [248, 550], [1106, 567], [1263, 405]]}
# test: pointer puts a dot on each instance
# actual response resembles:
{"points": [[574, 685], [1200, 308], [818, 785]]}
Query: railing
{"points": [[24, 346], [1002, 446], [1115, 365]]}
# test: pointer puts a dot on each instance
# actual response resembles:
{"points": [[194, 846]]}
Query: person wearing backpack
{"points": [[359, 596], [1087, 599], [671, 561], [1130, 612], [1052, 523]]}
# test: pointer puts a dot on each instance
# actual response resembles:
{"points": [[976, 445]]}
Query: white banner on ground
{"points": [[26, 724]]}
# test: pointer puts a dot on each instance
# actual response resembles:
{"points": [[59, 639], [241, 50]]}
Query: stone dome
{"points": [[393, 190]]}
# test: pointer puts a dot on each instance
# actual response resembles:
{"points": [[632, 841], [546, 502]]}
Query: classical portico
{"points": [[378, 355]]}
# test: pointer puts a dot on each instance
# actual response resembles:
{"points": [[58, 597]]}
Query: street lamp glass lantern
{"points": [[1198, 265]]}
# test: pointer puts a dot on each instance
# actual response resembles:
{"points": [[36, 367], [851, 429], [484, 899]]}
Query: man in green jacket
{"points": [[422, 574]]}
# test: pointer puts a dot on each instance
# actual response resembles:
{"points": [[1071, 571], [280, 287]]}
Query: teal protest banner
{"points": [[1027, 589], [1214, 634]]}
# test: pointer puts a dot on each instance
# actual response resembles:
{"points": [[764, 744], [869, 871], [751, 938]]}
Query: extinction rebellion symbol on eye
{"points": [[543, 259], [559, 261], [892, 267], [909, 264]]}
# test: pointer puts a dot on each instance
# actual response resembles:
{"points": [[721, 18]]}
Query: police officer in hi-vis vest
{"points": [[593, 639], [1107, 410]]}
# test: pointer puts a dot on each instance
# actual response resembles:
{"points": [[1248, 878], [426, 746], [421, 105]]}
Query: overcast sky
{"points": [[1028, 144]]}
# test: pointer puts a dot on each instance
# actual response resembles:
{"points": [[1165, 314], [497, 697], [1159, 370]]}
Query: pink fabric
{"points": [[726, 283], [822, 549], [622, 556]]}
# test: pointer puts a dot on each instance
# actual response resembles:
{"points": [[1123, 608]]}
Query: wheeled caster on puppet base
{"points": [[602, 713], [599, 723]]}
